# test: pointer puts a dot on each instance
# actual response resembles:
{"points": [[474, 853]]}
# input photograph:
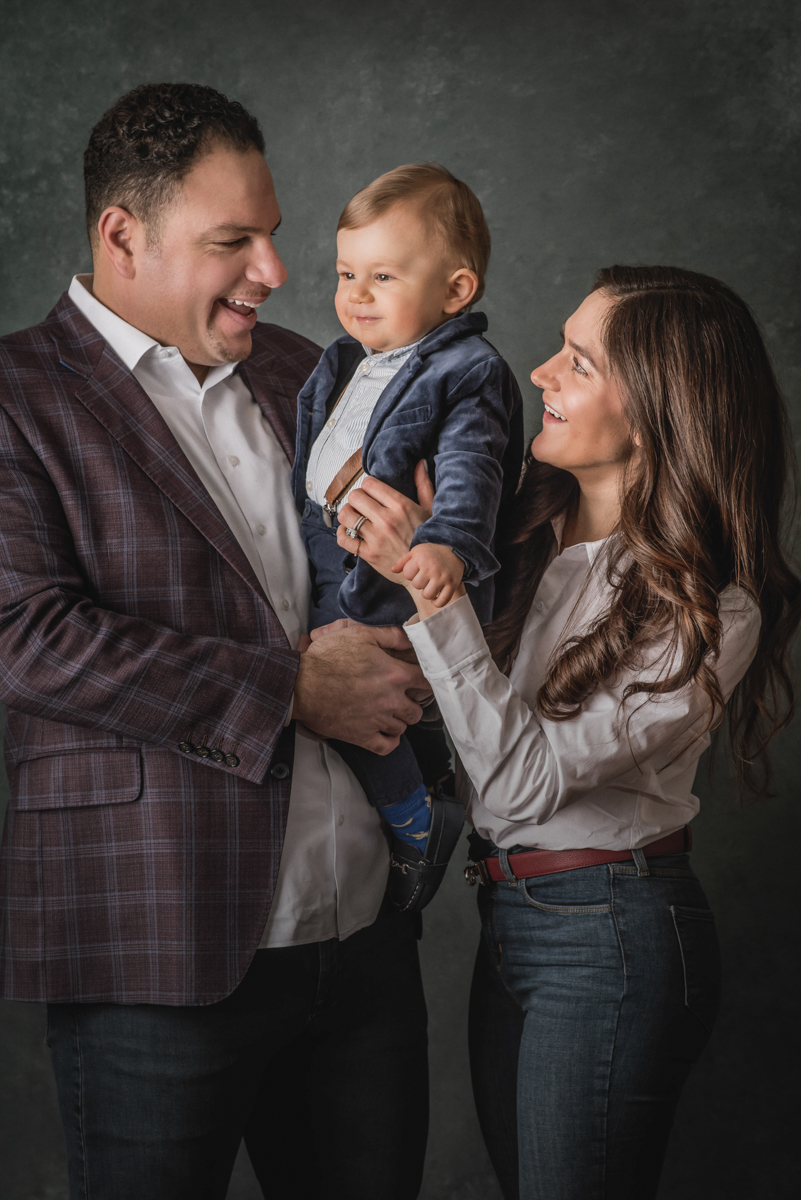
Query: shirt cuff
{"points": [[448, 640]]}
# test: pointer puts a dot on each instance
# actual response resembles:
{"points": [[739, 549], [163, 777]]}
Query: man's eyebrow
{"points": [[579, 349], [229, 230]]}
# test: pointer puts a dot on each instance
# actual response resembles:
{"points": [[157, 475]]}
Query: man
{"points": [[153, 597]]}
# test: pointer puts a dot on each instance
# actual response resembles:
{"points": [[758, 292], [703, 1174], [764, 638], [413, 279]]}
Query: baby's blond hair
{"points": [[449, 205]]}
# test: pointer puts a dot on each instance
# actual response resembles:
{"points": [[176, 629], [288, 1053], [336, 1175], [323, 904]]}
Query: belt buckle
{"points": [[475, 873]]}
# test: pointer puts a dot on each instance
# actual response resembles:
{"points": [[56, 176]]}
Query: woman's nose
{"points": [[546, 376]]}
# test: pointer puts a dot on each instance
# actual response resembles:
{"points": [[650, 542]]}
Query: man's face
{"points": [[215, 248]]}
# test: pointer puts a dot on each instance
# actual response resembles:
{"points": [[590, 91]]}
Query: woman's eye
{"points": [[577, 367]]}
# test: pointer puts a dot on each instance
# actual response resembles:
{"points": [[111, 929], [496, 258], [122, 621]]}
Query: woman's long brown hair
{"points": [[704, 505]]}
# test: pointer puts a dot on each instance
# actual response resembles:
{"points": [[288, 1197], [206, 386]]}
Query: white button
{"points": [[261, 530], [341, 820], [285, 604], [233, 460], [539, 606], [331, 422], [309, 486], [366, 367]]}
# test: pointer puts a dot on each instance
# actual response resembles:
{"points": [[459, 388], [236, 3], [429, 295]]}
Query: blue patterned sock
{"points": [[410, 819]]}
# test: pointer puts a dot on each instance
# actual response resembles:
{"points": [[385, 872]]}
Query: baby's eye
{"points": [[346, 275], [383, 278], [577, 367]]}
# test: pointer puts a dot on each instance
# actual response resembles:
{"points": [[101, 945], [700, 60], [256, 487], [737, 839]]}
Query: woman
{"points": [[644, 590]]}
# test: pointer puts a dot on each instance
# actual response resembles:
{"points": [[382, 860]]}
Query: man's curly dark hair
{"points": [[141, 149]]}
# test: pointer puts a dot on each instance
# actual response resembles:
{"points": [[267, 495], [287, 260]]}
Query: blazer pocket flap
{"points": [[407, 416], [76, 780]]}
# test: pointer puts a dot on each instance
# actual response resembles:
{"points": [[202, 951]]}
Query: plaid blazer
{"points": [[146, 678]]}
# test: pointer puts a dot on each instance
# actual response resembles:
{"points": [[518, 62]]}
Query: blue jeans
{"points": [[594, 992], [318, 1059]]}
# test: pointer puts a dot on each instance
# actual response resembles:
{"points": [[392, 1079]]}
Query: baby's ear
{"points": [[462, 287]]}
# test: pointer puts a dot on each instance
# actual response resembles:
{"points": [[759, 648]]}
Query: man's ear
{"points": [[462, 287], [121, 238]]}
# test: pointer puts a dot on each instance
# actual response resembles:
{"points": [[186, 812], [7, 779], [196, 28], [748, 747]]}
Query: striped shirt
{"points": [[343, 433]]}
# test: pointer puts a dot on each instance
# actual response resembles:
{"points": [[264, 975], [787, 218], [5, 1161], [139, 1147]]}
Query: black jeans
{"points": [[318, 1059]]}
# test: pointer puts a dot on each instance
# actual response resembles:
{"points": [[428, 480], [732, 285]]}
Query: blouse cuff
{"points": [[449, 640]]}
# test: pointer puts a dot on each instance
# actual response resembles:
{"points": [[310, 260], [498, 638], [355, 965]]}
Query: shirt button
{"points": [[331, 422], [341, 820], [539, 606], [261, 530], [309, 486], [233, 460], [366, 367], [280, 771], [285, 604]]}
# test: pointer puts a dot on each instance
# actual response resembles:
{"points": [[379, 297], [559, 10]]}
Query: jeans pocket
{"points": [[700, 957]]}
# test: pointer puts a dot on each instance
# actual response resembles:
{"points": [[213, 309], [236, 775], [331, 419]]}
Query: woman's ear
{"points": [[462, 287]]}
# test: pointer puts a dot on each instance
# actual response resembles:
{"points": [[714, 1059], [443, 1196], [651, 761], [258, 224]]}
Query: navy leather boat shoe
{"points": [[414, 875]]}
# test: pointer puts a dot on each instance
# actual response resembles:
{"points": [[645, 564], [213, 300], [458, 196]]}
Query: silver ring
{"points": [[354, 532]]}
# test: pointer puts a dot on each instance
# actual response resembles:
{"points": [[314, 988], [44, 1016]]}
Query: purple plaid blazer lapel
{"points": [[114, 397]]}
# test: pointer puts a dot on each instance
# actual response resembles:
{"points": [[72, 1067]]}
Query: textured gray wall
{"points": [[593, 131]]}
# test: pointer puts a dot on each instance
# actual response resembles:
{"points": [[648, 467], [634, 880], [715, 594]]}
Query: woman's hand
{"points": [[390, 521], [387, 521]]}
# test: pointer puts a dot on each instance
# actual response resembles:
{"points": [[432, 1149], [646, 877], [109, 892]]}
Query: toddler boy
{"points": [[412, 379]]}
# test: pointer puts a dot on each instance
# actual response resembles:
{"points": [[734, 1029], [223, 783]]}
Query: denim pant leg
{"points": [[618, 975], [319, 1057], [386, 778]]}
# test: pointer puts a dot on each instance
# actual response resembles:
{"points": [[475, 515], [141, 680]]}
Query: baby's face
{"points": [[395, 280]]}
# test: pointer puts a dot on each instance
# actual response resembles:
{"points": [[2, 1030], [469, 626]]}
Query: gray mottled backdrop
{"points": [[593, 132]]}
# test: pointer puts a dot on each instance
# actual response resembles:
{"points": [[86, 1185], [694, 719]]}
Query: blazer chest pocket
{"points": [[77, 779], [407, 416]]}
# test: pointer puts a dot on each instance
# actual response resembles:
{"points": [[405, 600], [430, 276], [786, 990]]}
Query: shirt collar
{"points": [[592, 549], [393, 357], [128, 342]]}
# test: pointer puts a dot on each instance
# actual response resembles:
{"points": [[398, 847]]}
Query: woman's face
{"points": [[584, 428]]}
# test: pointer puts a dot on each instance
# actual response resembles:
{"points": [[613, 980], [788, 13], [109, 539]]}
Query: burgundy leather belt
{"points": [[549, 862]]}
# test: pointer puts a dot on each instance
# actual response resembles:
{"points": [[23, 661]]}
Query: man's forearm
{"points": [[67, 660]]}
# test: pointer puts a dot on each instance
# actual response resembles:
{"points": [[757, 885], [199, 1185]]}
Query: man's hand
{"points": [[433, 570], [349, 688]]}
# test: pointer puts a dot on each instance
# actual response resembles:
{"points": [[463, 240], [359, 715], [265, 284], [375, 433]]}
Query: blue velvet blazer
{"points": [[454, 402]]}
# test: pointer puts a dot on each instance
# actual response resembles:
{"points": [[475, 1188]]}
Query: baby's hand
{"points": [[433, 570]]}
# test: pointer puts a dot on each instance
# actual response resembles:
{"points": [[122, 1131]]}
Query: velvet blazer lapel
{"points": [[110, 392]]}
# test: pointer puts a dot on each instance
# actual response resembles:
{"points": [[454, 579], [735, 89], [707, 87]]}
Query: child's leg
{"points": [[393, 783]]}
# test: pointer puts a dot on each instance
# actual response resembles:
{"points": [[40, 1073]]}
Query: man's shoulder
{"points": [[279, 351]]}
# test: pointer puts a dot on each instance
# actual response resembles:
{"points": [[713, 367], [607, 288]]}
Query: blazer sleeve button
{"points": [[217, 756], [231, 760], [186, 747], [280, 771], [203, 752]]}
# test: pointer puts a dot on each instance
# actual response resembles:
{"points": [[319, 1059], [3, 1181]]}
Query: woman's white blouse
{"points": [[615, 777]]}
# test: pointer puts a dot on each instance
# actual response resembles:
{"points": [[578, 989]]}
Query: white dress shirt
{"points": [[343, 433], [593, 781], [334, 862]]}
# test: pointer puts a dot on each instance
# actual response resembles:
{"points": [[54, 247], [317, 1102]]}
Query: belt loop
{"points": [[508, 874], [642, 863]]}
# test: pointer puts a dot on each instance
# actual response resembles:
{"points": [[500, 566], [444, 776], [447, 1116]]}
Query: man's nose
{"points": [[266, 267]]}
